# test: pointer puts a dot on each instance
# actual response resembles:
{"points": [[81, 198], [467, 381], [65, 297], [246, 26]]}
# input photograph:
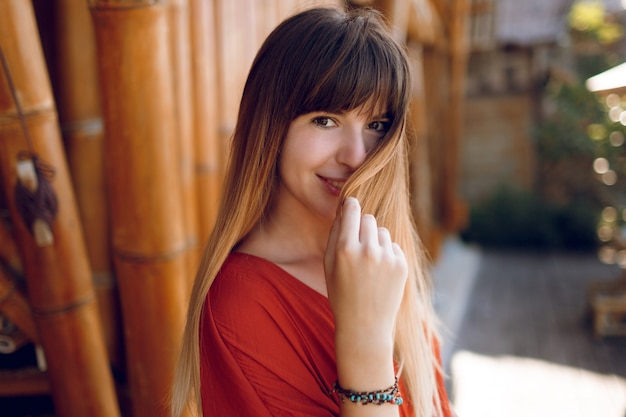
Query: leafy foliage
{"points": [[580, 156], [512, 218]]}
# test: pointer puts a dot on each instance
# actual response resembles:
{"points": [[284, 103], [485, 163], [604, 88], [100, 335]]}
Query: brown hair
{"points": [[331, 60]]}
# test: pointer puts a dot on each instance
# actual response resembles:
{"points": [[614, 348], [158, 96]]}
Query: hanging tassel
{"points": [[35, 198]]}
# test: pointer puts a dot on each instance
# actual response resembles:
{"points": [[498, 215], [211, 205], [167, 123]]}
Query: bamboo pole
{"points": [[205, 128], [9, 255], [78, 102], [180, 38], [420, 168], [27, 381], [437, 93], [144, 188], [60, 290], [236, 46], [14, 306], [397, 14], [455, 211], [266, 19]]}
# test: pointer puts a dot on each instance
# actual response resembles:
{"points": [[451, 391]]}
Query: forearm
{"points": [[365, 366]]}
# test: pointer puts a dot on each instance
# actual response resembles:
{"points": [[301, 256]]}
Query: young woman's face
{"points": [[320, 152]]}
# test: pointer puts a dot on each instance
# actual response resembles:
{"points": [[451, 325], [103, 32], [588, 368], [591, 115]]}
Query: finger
{"points": [[397, 250], [368, 233], [350, 222], [384, 238]]}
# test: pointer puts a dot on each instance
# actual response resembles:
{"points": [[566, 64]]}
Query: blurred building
{"points": [[512, 46]]}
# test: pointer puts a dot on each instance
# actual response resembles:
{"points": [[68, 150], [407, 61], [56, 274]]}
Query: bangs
{"points": [[348, 68]]}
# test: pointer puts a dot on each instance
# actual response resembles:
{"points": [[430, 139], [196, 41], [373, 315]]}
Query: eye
{"points": [[381, 126], [324, 121]]}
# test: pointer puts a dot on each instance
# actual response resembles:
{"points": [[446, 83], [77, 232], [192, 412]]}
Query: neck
{"points": [[286, 237]]}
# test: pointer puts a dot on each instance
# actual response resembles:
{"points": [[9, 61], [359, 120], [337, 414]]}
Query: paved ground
{"points": [[520, 343]]}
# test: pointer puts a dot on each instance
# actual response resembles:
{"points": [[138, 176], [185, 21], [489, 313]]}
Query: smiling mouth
{"points": [[334, 186], [337, 184]]}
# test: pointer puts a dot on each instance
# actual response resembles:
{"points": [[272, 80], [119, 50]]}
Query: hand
{"points": [[365, 275]]}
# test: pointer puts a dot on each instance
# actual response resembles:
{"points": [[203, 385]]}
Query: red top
{"points": [[267, 345]]}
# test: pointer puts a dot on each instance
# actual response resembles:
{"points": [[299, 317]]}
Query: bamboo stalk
{"points": [[455, 211], [436, 93], [236, 46], [14, 306], [60, 290], [208, 155], [397, 13], [420, 169], [9, 254], [23, 382], [144, 188], [180, 38], [78, 101], [424, 23]]}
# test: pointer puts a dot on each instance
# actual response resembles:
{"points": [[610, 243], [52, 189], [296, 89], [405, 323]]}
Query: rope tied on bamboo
{"points": [[35, 198]]}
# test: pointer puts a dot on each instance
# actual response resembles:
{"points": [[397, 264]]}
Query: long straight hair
{"points": [[323, 59]]}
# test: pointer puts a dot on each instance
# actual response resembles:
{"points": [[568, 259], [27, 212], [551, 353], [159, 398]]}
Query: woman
{"points": [[311, 298]]}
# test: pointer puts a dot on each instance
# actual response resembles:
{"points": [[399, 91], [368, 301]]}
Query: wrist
{"points": [[364, 365]]}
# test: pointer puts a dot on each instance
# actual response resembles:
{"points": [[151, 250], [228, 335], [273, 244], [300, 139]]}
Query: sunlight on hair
{"points": [[601, 165], [510, 386]]}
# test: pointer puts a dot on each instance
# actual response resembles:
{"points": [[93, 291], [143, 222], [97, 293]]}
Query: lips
{"points": [[334, 185]]}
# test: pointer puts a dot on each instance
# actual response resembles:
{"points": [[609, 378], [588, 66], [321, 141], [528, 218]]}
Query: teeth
{"points": [[335, 183]]}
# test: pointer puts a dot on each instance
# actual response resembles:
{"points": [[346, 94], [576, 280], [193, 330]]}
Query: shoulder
{"points": [[254, 294], [243, 279], [246, 276]]}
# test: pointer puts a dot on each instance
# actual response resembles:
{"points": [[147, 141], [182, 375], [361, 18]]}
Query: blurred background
{"points": [[115, 117]]}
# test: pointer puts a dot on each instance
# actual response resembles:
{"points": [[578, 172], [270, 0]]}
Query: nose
{"points": [[353, 150]]}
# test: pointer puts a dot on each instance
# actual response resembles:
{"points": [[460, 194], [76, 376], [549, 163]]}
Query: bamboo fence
{"points": [[149, 243], [205, 123], [60, 290], [80, 116], [147, 93]]}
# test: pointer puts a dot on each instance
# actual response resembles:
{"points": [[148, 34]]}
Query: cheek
{"points": [[371, 141]]}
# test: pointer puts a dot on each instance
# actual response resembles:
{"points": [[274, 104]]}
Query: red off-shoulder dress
{"points": [[267, 345]]}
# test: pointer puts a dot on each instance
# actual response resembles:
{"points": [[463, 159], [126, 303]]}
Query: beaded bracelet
{"points": [[389, 395]]}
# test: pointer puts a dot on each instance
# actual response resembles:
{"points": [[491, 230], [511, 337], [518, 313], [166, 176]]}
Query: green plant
{"points": [[513, 218]]}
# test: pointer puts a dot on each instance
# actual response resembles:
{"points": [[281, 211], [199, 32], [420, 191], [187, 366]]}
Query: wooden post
{"points": [[180, 38], [78, 102], [456, 215], [208, 153], [8, 248], [144, 192], [57, 271], [235, 52], [14, 306], [420, 168]]}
